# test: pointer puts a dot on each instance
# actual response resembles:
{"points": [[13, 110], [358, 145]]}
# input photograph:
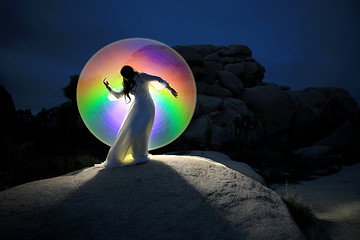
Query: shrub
{"points": [[304, 217]]}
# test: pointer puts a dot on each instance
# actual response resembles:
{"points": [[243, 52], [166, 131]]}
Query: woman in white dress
{"points": [[131, 143]]}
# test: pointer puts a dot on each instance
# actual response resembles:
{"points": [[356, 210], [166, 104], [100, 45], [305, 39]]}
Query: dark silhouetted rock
{"points": [[253, 74], [214, 65], [230, 81], [269, 84], [199, 73], [197, 129], [220, 136], [313, 152], [332, 99], [307, 126], [205, 50], [311, 97], [212, 90], [225, 118], [209, 103], [213, 57], [8, 112], [191, 56], [235, 68], [292, 118], [236, 105], [285, 88], [210, 71], [342, 137], [236, 51], [228, 60], [310, 156], [273, 106], [341, 102]]}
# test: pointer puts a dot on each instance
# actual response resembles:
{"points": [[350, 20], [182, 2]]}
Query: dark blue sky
{"points": [[300, 43]]}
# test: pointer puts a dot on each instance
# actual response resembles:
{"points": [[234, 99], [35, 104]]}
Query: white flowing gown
{"points": [[132, 140]]}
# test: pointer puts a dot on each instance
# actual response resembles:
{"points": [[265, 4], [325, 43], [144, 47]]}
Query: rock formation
{"points": [[170, 197], [235, 107], [236, 113], [8, 112]]}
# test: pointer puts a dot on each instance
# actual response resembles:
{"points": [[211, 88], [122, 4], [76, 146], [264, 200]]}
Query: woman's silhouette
{"points": [[131, 143]]}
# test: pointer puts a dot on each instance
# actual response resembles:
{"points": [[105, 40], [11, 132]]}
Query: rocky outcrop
{"points": [[8, 112], [236, 108], [312, 152], [230, 81], [342, 136], [221, 158], [273, 106], [170, 197], [321, 112]]}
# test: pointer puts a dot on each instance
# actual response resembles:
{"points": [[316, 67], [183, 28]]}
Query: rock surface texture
{"points": [[170, 197]]}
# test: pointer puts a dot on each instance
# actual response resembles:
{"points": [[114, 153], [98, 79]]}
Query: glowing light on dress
{"points": [[104, 118]]}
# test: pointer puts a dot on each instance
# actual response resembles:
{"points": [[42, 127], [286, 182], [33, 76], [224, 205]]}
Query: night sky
{"points": [[300, 43]]}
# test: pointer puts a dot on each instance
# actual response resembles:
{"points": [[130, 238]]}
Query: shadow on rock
{"points": [[150, 201]]}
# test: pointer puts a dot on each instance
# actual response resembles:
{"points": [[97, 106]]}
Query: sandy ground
{"points": [[334, 199]]}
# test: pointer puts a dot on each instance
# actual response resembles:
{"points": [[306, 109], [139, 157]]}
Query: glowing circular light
{"points": [[104, 118]]}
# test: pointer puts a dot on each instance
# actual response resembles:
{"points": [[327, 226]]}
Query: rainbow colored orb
{"points": [[104, 118]]}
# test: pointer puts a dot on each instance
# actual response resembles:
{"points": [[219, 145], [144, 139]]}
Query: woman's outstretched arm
{"points": [[163, 83], [112, 93]]}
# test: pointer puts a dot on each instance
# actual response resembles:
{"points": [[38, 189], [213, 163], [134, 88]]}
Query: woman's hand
{"points": [[106, 82], [173, 92]]}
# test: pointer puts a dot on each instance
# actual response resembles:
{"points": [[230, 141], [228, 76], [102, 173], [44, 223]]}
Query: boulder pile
{"points": [[236, 108]]}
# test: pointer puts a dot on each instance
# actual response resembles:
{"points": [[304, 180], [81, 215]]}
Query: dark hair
{"points": [[128, 86]]}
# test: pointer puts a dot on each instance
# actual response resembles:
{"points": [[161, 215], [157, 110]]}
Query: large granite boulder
{"points": [[228, 162], [212, 90], [220, 136], [236, 106], [197, 129], [253, 74], [191, 56], [313, 152], [205, 50], [321, 113], [307, 126], [199, 73], [331, 100], [312, 97], [209, 103], [341, 138], [235, 68], [213, 57], [341, 101], [236, 51], [170, 197], [273, 106], [230, 81], [211, 68]]}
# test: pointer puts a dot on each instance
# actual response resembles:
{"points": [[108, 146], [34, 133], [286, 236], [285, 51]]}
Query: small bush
{"points": [[300, 210], [304, 217]]}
